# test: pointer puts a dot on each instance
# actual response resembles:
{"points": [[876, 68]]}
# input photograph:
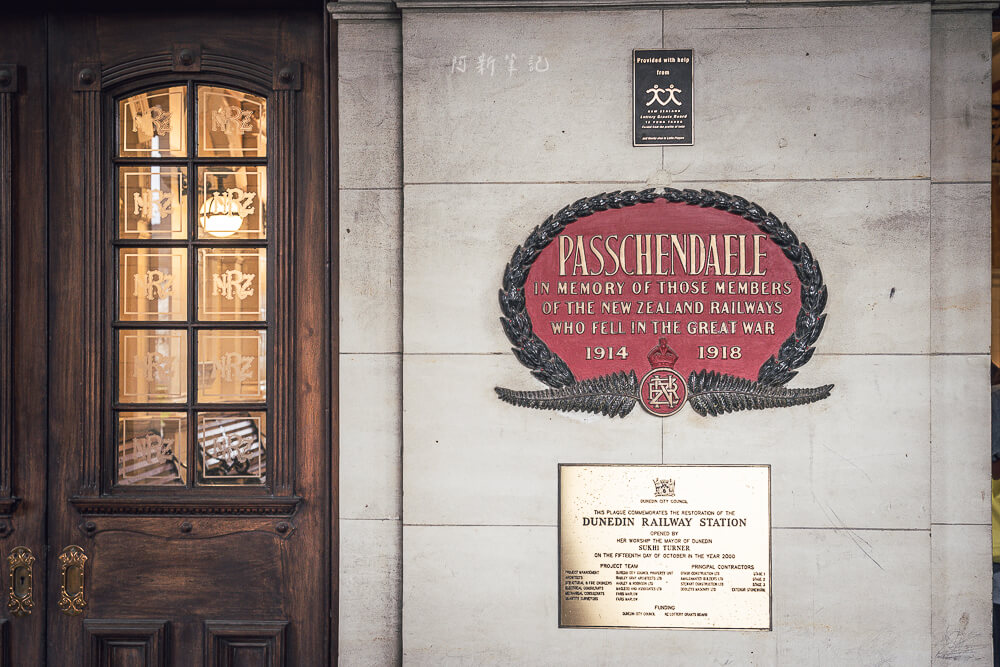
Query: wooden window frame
{"points": [[102, 87]]}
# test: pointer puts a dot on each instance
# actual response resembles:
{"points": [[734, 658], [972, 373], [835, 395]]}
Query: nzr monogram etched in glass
{"points": [[191, 288]]}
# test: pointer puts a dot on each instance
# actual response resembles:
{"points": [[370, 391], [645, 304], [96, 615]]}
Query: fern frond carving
{"points": [[611, 395], [712, 393]]}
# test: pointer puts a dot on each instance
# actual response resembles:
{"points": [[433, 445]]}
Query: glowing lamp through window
{"points": [[221, 215]]}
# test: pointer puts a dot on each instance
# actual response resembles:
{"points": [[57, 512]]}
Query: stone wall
{"points": [[370, 187], [865, 128]]}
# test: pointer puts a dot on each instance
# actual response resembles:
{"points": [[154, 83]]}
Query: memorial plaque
{"points": [[664, 298], [665, 546], [663, 100]]}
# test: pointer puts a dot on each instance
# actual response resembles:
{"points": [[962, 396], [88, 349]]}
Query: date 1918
{"points": [[719, 352]]}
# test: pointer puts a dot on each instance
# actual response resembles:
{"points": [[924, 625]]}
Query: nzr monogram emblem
{"points": [[233, 200], [152, 448], [154, 121], [234, 366], [232, 120], [153, 367], [234, 452], [148, 200], [153, 285], [663, 391], [233, 283]]}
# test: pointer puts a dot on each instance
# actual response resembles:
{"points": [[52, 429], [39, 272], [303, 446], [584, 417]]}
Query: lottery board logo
{"points": [[664, 298]]}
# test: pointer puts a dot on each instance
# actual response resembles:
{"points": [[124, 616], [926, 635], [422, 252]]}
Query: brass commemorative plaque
{"points": [[665, 546]]}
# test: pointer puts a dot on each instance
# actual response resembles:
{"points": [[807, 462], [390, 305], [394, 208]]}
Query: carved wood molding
{"points": [[282, 254], [7, 506], [104, 636], [264, 506], [194, 528], [8, 89], [264, 640], [88, 81], [186, 58]]}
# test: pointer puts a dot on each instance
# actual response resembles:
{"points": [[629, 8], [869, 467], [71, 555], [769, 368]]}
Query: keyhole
{"points": [[21, 582]]}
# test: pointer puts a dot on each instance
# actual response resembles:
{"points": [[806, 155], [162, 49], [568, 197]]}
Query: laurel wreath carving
{"points": [[709, 393]]}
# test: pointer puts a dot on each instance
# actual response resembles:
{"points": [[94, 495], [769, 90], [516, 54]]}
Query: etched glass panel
{"points": [[231, 123], [152, 203], [153, 124], [232, 448], [231, 366], [152, 448], [231, 284], [152, 284], [152, 366], [231, 202]]}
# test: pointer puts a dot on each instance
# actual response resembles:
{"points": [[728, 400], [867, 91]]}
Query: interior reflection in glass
{"points": [[153, 124], [231, 448], [152, 448]]}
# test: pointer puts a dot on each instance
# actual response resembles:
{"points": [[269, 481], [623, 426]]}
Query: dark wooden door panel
{"points": [[196, 556], [125, 643], [245, 644], [227, 575], [5, 643], [23, 327]]}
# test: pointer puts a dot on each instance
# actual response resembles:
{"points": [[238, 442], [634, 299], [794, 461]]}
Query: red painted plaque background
{"points": [[661, 217]]}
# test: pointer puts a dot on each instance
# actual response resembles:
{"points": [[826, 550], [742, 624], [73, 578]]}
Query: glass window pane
{"points": [[152, 284], [232, 284], [153, 124], [152, 366], [152, 448], [231, 366], [232, 202], [231, 448], [152, 203], [231, 123]]}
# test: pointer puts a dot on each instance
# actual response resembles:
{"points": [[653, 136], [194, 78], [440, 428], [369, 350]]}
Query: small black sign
{"points": [[663, 100]]}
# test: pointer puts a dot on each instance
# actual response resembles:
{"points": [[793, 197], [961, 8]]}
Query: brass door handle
{"points": [[72, 560], [20, 597]]}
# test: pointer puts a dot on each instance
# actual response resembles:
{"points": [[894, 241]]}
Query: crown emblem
{"points": [[662, 356], [664, 487]]}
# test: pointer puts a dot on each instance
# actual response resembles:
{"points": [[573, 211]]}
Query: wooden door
{"points": [[173, 247], [23, 331]]}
